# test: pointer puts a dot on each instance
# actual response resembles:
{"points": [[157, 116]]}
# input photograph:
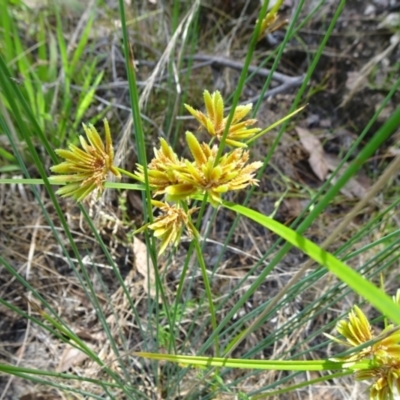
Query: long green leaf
{"points": [[380, 300], [297, 365]]}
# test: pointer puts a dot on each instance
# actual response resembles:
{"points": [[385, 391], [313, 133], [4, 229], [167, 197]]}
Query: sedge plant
{"points": [[172, 183], [178, 180]]}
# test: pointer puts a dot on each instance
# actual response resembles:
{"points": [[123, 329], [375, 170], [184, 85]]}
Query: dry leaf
{"points": [[317, 154], [85, 335], [135, 201], [70, 358], [322, 163], [294, 207], [141, 260], [353, 188]]}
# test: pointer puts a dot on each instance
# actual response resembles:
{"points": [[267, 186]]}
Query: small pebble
{"points": [[370, 10]]}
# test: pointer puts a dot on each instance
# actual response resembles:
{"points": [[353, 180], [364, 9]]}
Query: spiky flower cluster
{"points": [[168, 226], [85, 169], [270, 23], [384, 351], [168, 175], [215, 122], [177, 178]]}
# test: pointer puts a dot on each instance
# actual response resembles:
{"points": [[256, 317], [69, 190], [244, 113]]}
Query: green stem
{"points": [[127, 173], [207, 286], [242, 79], [189, 254]]}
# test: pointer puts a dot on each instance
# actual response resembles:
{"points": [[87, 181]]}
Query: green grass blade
{"points": [[380, 300], [6, 27], [80, 47], [86, 100], [298, 365]]}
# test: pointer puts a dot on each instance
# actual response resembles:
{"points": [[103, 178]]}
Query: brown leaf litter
{"points": [[322, 163]]}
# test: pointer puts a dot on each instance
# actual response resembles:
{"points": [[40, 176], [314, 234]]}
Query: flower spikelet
{"points": [[215, 122], [179, 179], [387, 349], [231, 172], [162, 169], [85, 169], [384, 353], [357, 329], [268, 24], [386, 381], [169, 225]]}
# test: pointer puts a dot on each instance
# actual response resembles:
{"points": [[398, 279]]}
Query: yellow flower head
{"points": [[85, 169], [162, 169], [215, 122], [387, 350], [386, 381], [270, 23], [357, 329], [169, 226], [384, 353], [179, 179], [231, 172]]}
